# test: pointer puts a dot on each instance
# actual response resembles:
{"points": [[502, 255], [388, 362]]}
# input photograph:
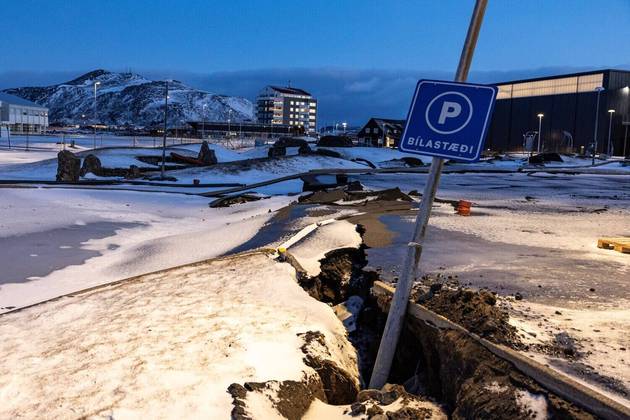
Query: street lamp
{"points": [[540, 117], [163, 168], [610, 146], [95, 115], [344, 124], [599, 90], [203, 122], [229, 121]]}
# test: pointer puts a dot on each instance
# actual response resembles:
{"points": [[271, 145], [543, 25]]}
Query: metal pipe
{"points": [[393, 326]]}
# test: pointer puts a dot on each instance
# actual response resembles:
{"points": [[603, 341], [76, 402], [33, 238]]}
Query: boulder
{"points": [[329, 153], [542, 158], [277, 151], [68, 166], [92, 164], [206, 155], [412, 161], [290, 142], [335, 141], [133, 172]]}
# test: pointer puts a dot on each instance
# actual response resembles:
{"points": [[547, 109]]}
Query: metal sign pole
{"points": [[393, 326]]}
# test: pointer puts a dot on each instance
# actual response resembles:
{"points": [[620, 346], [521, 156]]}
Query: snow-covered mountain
{"points": [[128, 98]]}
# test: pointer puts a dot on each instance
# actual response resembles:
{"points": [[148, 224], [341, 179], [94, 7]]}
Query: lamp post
{"points": [[610, 150], [229, 121], [95, 114], [203, 122], [165, 125], [344, 124], [540, 117], [599, 90]]}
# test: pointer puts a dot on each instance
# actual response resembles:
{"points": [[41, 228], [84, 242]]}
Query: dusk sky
{"points": [[370, 50]]}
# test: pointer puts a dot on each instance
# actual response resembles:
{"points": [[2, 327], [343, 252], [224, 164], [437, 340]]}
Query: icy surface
{"points": [[167, 345], [169, 230]]}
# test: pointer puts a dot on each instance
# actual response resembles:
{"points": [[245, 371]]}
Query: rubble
{"points": [[91, 164], [207, 155], [68, 167]]}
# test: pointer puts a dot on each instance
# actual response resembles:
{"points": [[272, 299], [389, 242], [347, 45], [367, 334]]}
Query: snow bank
{"points": [[164, 346]]}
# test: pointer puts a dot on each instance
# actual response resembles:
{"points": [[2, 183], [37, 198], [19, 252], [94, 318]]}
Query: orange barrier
{"points": [[463, 207]]}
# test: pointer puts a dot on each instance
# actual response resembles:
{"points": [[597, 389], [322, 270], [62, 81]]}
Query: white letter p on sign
{"points": [[449, 110]]}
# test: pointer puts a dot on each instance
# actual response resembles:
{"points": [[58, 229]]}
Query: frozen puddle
{"points": [[168, 344], [37, 254]]}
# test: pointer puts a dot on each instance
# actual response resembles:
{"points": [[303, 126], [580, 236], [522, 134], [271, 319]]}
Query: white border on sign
{"points": [[437, 82], [470, 113]]}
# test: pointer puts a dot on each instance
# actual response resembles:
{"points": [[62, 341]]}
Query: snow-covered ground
{"points": [[536, 236], [62, 250], [165, 346]]}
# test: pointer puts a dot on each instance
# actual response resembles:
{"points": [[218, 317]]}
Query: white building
{"points": [[22, 116], [287, 106]]}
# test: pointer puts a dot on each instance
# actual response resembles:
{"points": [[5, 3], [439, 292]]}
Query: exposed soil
{"points": [[345, 195], [467, 378], [477, 311], [445, 365]]}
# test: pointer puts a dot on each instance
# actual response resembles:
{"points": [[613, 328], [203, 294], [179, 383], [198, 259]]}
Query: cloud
{"points": [[352, 95]]}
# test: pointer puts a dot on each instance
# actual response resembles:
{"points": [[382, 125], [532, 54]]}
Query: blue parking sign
{"points": [[448, 120]]}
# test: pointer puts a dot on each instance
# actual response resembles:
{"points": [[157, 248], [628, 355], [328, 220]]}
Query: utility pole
{"points": [[165, 124], [398, 308]]}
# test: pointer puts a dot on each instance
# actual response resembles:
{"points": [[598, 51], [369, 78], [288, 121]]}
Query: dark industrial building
{"points": [[568, 106]]}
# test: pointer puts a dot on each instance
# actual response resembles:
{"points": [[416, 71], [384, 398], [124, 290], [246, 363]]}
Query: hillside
{"points": [[128, 98]]}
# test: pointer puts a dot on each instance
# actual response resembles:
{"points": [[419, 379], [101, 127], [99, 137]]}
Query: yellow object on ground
{"points": [[618, 244]]}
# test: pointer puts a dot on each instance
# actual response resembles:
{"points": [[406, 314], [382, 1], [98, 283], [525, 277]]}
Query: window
{"points": [[563, 85]]}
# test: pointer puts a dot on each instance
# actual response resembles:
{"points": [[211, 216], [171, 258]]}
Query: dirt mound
{"points": [[349, 195], [474, 310]]}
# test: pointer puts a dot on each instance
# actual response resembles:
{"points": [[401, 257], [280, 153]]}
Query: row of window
{"points": [[574, 84]]}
